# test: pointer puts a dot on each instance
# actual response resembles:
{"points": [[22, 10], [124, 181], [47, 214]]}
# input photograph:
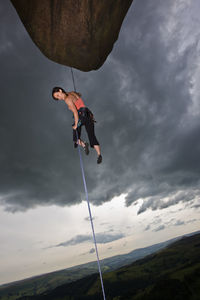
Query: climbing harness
{"points": [[88, 203]]}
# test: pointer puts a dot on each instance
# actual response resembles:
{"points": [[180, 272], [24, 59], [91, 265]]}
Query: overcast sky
{"points": [[145, 99]]}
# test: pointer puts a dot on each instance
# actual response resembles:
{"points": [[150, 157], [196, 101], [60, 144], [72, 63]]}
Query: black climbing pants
{"points": [[86, 119]]}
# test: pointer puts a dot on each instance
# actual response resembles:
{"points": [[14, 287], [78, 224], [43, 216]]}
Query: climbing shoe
{"points": [[99, 159], [86, 148]]}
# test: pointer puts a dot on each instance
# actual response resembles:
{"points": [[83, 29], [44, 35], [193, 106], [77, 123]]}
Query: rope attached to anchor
{"points": [[88, 203]]}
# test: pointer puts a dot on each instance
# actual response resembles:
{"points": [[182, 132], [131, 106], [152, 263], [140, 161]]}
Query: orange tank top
{"points": [[79, 103]]}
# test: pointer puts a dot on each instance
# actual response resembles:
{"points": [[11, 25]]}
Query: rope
{"points": [[88, 203], [73, 79]]}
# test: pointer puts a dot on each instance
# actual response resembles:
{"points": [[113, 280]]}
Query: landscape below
{"points": [[169, 270]]}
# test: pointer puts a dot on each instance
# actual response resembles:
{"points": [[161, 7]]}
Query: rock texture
{"points": [[76, 33]]}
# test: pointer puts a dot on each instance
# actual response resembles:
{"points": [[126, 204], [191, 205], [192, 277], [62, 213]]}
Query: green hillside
{"points": [[170, 274], [46, 282], [42, 283]]}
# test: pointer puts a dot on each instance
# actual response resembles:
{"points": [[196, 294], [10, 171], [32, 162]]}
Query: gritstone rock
{"points": [[75, 33]]}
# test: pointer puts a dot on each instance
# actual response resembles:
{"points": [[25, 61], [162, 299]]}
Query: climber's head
{"points": [[58, 93]]}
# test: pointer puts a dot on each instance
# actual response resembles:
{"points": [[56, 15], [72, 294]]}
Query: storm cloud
{"points": [[146, 102], [171, 223], [92, 250], [101, 238], [159, 228]]}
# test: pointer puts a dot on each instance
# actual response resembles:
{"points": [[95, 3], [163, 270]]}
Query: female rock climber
{"points": [[82, 116]]}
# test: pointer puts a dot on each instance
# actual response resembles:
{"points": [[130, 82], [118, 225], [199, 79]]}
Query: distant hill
{"points": [[172, 273], [39, 284]]}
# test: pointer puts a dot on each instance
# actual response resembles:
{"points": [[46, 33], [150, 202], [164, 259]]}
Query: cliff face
{"points": [[76, 33]]}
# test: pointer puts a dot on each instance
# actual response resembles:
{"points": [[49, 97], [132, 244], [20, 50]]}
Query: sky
{"points": [[145, 99]]}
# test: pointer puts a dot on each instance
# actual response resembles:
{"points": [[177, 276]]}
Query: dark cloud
{"points": [[92, 250], [179, 223], [168, 200], [101, 238], [167, 224], [191, 221], [196, 206], [172, 223], [159, 228], [148, 227], [145, 100], [155, 222], [76, 240]]}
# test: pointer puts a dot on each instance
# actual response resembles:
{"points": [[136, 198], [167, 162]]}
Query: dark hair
{"points": [[55, 90]]}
